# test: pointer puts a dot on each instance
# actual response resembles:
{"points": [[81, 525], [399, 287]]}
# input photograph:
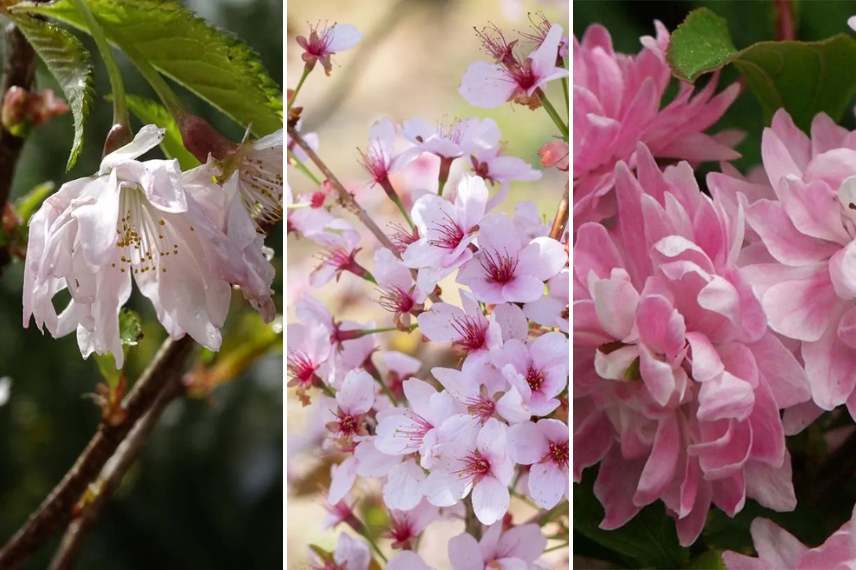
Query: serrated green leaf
{"points": [[648, 541], [208, 61], [71, 65], [701, 43], [805, 78], [151, 112]]}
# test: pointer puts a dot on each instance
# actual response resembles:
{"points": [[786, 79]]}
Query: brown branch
{"points": [[346, 199], [111, 475], [18, 71], [560, 220], [57, 509]]}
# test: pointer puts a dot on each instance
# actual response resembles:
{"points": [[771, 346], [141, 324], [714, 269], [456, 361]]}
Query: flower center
{"points": [[396, 300], [416, 431], [482, 407], [141, 234], [301, 369], [499, 267], [557, 452], [471, 330], [347, 424], [475, 466], [376, 162], [261, 189], [535, 378], [447, 234]]}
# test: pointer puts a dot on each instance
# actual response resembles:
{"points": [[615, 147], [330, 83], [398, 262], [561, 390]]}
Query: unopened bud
{"points": [[118, 136], [14, 114], [201, 139]]}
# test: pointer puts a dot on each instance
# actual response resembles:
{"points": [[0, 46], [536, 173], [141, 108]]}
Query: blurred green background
{"points": [[207, 492], [651, 534]]}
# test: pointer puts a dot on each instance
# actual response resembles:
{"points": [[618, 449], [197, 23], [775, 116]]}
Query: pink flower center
{"points": [[375, 162], [448, 234], [396, 300], [481, 407], [471, 330], [401, 531], [498, 267], [475, 466], [557, 452], [319, 41], [347, 424], [401, 237], [535, 378], [301, 369], [339, 257], [417, 430]]}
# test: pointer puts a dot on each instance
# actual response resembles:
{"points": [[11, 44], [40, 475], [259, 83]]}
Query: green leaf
{"points": [[700, 44], [107, 368], [70, 64], [805, 78], [151, 112], [26, 205], [710, 560], [649, 540], [208, 61]]}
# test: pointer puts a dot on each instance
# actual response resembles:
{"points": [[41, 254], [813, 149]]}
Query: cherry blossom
{"points": [[490, 85], [518, 547], [131, 219], [544, 446], [407, 526], [538, 370], [508, 269], [326, 40], [350, 554]]}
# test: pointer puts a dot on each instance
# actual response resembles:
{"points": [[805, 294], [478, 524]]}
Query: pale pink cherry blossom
{"points": [[516, 548], [326, 40], [306, 218], [308, 348], [551, 310], [508, 269], [806, 281], [466, 327], [405, 527], [398, 292], [476, 460], [411, 429], [350, 554], [537, 369], [449, 141], [446, 230], [244, 258], [407, 560], [481, 141], [544, 446], [851, 21], [340, 255], [402, 476], [489, 85], [258, 167], [354, 399], [131, 219], [617, 104], [483, 391], [398, 367], [350, 349], [777, 548], [337, 514], [380, 159]]}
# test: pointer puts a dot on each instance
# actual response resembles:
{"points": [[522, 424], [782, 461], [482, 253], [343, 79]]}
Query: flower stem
{"points": [[556, 547], [565, 92], [391, 193], [120, 107], [557, 229], [445, 166], [361, 529], [560, 124], [302, 168], [306, 71]]}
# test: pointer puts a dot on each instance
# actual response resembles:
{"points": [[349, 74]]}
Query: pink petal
{"points": [[661, 464]]}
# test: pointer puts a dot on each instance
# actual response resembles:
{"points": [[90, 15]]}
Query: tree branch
{"points": [[57, 509], [111, 475], [560, 220], [345, 198], [18, 70]]}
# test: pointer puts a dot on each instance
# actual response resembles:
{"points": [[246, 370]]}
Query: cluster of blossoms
{"points": [[456, 440], [185, 238], [707, 325]]}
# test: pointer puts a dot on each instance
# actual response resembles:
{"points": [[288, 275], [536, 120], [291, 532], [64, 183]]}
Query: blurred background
{"points": [[749, 21], [409, 64], [207, 490]]}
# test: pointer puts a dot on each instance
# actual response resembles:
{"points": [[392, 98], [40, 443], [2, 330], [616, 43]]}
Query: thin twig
{"points": [[560, 220], [785, 28], [18, 70], [112, 474], [57, 509], [345, 198]]}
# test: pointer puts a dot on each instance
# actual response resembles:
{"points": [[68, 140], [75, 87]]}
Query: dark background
{"points": [[207, 492], [825, 499]]}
